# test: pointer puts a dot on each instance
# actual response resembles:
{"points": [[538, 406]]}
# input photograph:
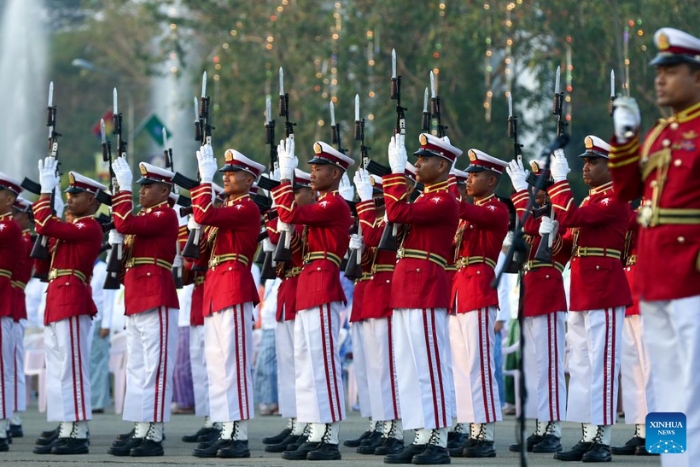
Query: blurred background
{"points": [[154, 53]]}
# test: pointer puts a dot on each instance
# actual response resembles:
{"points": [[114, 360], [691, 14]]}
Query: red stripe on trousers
{"points": [[236, 343], [439, 374], [165, 366], [160, 364], [549, 366], [481, 363], [392, 370], [612, 366], [72, 364], [243, 362], [325, 363], [488, 366], [2, 376], [80, 369], [426, 333], [16, 382], [605, 369], [331, 355]]}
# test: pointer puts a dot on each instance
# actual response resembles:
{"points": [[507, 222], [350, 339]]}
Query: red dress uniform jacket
{"points": [[234, 239], [149, 249], [11, 250], [630, 259], [196, 271], [378, 289], [76, 249], [366, 216], [543, 282], [479, 240], [288, 272], [598, 229], [328, 224], [665, 171], [22, 276], [419, 279]]}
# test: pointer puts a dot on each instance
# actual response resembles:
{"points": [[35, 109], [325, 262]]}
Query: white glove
{"points": [[115, 238], [356, 242], [274, 175], [508, 241], [345, 189], [283, 226], [177, 261], [363, 185], [397, 154], [122, 172], [192, 225], [267, 246], [517, 174], [206, 163], [47, 174], [287, 160], [548, 226], [560, 166], [58, 204], [626, 118]]}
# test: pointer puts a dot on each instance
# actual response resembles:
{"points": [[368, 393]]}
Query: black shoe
{"points": [[432, 455], [371, 444], [549, 443], [4, 445], [71, 446], [481, 448], [46, 440], [324, 452], [457, 440], [211, 449], [16, 431], [355, 443], [372, 439], [459, 450], [576, 453], [194, 438], [282, 445], [389, 446], [50, 433], [236, 449], [529, 443], [296, 444], [642, 451], [126, 436], [597, 453], [98, 411], [301, 452], [123, 448], [278, 437], [629, 448], [148, 448], [405, 456], [46, 449]]}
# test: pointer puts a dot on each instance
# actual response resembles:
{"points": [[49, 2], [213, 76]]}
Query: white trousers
{"points": [[228, 347], [284, 347], [381, 369], [319, 385], [68, 393], [635, 378], [151, 343], [472, 340], [198, 364], [20, 380], [544, 352], [672, 338], [595, 342], [359, 362], [7, 368], [420, 344]]}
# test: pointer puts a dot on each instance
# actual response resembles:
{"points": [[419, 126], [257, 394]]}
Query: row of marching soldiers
{"points": [[425, 314]]}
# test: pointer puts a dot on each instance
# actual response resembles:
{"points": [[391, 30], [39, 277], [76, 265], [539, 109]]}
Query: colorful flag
{"points": [[109, 127], [154, 127]]}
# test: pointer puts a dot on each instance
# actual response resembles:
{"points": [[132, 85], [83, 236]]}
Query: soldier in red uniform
{"points": [[482, 228], [419, 297], [319, 387], [229, 297], [11, 248], [665, 171], [150, 303], [286, 312], [544, 310], [69, 306], [598, 298]]}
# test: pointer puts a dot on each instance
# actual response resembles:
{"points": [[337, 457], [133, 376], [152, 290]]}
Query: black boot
{"points": [[50, 433], [204, 432], [148, 448], [576, 453], [300, 452], [597, 453], [481, 448], [212, 448], [296, 444], [355, 443], [405, 456], [46, 449], [282, 445], [71, 446], [278, 437], [369, 445], [529, 443], [125, 436], [236, 449], [8, 436], [123, 448], [16, 431], [630, 447], [550, 443], [432, 455], [4, 445], [456, 440], [389, 446], [642, 451], [46, 440], [324, 452]]}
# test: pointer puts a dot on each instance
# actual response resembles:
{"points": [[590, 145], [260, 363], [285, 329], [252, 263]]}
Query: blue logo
{"points": [[666, 433]]}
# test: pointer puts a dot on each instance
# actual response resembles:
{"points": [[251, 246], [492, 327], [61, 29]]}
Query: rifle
{"points": [[353, 269], [283, 252], [170, 164], [544, 250], [202, 133], [40, 248], [518, 259], [267, 271], [435, 109]]}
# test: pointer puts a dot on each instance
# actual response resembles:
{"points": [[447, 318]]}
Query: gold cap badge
{"points": [[534, 166], [588, 142], [318, 149], [663, 42], [143, 170], [228, 156], [423, 139], [472, 156], [71, 178]]}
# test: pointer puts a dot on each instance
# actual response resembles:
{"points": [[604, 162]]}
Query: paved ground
{"points": [[104, 427]]}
